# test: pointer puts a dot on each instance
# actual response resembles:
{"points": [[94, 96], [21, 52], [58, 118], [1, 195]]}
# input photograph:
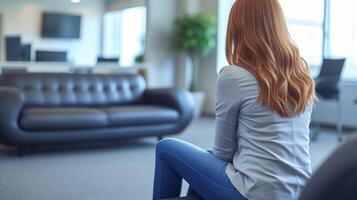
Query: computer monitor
{"points": [[107, 60]]}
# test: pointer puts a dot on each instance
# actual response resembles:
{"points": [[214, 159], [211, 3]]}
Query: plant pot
{"points": [[199, 100]]}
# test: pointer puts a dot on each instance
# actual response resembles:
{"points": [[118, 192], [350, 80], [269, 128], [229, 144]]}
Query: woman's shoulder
{"points": [[236, 83], [235, 72]]}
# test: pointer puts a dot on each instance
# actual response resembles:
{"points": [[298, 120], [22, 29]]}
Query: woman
{"points": [[264, 104]]}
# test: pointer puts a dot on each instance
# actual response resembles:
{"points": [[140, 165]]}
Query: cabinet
{"points": [[325, 111]]}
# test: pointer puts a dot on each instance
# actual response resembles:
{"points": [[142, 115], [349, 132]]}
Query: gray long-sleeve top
{"points": [[268, 155]]}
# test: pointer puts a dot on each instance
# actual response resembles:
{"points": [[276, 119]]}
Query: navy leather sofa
{"points": [[45, 108]]}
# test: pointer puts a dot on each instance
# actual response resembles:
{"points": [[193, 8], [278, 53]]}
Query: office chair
{"points": [[107, 60], [336, 179], [327, 88], [13, 48]]}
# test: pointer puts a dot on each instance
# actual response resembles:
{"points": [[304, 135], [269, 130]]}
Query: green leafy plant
{"points": [[195, 35], [139, 58]]}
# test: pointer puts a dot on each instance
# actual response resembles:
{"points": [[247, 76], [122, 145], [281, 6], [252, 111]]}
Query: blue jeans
{"points": [[205, 173]]}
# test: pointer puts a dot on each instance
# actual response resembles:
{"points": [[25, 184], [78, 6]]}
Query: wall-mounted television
{"points": [[59, 25]]}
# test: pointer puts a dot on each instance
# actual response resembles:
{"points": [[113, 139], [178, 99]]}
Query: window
{"points": [[111, 34], [124, 34], [224, 7], [305, 19], [343, 32], [305, 25]]}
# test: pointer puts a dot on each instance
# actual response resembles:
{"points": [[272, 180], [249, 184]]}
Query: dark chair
{"points": [[327, 88], [15, 51], [13, 48], [107, 60], [337, 177]]}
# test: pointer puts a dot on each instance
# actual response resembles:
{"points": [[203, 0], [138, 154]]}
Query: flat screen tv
{"points": [[58, 25]]}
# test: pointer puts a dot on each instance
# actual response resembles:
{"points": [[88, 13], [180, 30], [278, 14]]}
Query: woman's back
{"points": [[263, 112], [271, 159]]}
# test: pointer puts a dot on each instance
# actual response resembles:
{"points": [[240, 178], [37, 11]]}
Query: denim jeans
{"points": [[205, 173]]}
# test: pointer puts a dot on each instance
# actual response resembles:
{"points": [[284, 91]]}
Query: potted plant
{"points": [[195, 35], [140, 58]]}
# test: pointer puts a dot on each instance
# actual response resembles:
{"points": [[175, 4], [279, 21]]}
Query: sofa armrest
{"points": [[178, 99], [11, 103]]}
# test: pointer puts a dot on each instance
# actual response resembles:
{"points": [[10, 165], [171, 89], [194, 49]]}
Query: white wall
{"points": [[208, 65], [159, 55], [159, 58], [183, 65], [188, 7], [207, 72], [23, 17], [1, 41], [121, 4]]}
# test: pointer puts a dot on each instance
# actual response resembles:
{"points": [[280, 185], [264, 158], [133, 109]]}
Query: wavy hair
{"points": [[258, 40]]}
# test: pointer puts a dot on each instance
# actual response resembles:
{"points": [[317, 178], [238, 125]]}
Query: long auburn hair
{"points": [[258, 40]]}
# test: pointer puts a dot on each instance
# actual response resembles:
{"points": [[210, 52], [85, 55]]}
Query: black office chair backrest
{"points": [[336, 179], [107, 60], [330, 74], [332, 68], [13, 48]]}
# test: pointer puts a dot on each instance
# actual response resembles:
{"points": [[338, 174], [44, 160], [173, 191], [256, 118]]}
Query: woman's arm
{"points": [[227, 109]]}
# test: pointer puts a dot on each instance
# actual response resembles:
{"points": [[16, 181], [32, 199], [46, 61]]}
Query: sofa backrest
{"points": [[49, 89]]}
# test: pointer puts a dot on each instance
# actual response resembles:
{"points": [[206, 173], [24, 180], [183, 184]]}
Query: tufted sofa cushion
{"points": [[40, 119], [69, 118], [140, 115], [76, 89]]}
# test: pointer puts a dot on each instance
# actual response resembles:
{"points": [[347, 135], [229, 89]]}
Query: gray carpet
{"points": [[121, 170]]}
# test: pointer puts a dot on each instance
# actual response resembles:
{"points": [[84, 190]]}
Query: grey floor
{"points": [[104, 172]]}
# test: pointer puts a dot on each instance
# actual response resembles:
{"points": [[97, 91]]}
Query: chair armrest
{"points": [[178, 99], [11, 103]]}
